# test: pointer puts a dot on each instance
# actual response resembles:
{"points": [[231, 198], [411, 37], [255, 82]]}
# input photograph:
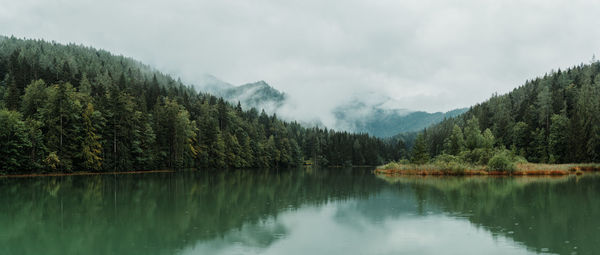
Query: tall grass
{"points": [[501, 163]]}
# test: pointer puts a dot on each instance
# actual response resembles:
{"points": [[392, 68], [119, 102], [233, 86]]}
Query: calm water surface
{"points": [[327, 211]]}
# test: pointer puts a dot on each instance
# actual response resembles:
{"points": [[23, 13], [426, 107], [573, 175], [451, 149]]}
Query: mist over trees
{"points": [[551, 119], [73, 108]]}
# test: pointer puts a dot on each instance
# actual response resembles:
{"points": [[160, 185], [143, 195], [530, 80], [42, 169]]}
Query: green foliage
{"points": [[554, 118], [449, 163], [11, 95], [420, 153], [502, 161], [143, 140], [62, 120], [488, 139], [454, 144], [85, 87], [404, 161], [14, 141], [91, 149], [521, 137], [52, 161], [538, 147], [473, 137], [34, 98], [36, 138], [479, 156], [177, 134], [86, 109], [476, 148]]}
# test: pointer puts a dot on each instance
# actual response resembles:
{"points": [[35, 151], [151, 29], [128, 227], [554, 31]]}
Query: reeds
{"points": [[522, 169]]}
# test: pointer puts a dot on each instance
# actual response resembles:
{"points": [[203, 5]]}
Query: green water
{"points": [[337, 211]]}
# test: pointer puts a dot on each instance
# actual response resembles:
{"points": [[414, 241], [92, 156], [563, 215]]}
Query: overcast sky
{"points": [[427, 55]]}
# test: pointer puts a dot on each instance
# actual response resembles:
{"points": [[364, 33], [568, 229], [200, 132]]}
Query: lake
{"points": [[303, 211]]}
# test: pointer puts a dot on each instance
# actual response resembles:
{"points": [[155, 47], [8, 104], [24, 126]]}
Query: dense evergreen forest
{"points": [[75, 108], [551, 119]]}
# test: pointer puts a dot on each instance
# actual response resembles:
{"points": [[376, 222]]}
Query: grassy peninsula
{"points": [[548, 126]]}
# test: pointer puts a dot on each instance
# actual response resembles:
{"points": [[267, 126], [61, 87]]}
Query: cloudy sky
{"points": [[426, 55]]}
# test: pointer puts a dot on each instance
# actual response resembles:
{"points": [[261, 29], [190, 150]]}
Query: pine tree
{"points": [[538, 146], [217, 158], [420, 153], [473, 137], [143, 140], [91, 149], [36, 138], [185, 133], [34, 99], [558, 139], [488, 140], [521, 137], [454, 144], [12, 95], [85, 87], [61, 115], [14, 142], [544, 107]]}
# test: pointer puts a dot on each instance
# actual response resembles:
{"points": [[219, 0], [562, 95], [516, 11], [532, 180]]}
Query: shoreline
{"points": [[527, 169], [400, 172], [81, 173]]}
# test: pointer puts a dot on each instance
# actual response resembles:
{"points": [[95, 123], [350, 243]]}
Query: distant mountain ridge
{"points": [[390, 122], [259, 95], [356, 116]]}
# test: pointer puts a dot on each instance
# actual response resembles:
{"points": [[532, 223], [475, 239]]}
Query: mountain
{"points": [[377, 121], [213, 85], [554, 118], [74, 108], [259, 95], [357, 116]]}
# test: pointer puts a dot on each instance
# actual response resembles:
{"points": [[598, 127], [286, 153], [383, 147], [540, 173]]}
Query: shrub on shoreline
{"points": [[449, 163], [502, 161]]}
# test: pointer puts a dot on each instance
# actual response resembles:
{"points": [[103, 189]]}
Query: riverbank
{"points": [[522, 169], [80, 173]]}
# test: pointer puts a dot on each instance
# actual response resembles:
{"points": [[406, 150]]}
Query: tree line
{"points": [[75, 108], [550, 119]]}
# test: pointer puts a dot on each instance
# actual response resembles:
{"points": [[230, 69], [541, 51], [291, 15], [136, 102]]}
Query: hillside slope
{"points": [[554, 118], [73, 108]]}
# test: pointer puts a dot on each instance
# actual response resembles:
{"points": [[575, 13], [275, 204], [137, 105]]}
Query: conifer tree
{"points": [[91, 148], [61, 115], [454, 144], [12, 94], [14, 142], [420, 154]]}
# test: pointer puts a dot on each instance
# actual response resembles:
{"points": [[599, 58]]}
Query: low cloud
{"points": [[425, 55]]}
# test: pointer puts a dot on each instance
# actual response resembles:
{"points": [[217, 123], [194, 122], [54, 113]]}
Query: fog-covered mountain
{"points": [[377, 119], [257, 95], [381, 122]]}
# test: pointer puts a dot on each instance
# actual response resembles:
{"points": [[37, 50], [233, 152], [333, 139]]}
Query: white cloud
{"points": [[428, 55]]}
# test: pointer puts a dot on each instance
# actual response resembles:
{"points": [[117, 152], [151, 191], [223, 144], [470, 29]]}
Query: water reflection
{"points": [[547, 214], [329, 229], [333, 211]]}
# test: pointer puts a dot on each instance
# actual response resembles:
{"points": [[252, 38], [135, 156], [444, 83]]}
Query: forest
{"points": [[75, 108], [550, 119]]}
